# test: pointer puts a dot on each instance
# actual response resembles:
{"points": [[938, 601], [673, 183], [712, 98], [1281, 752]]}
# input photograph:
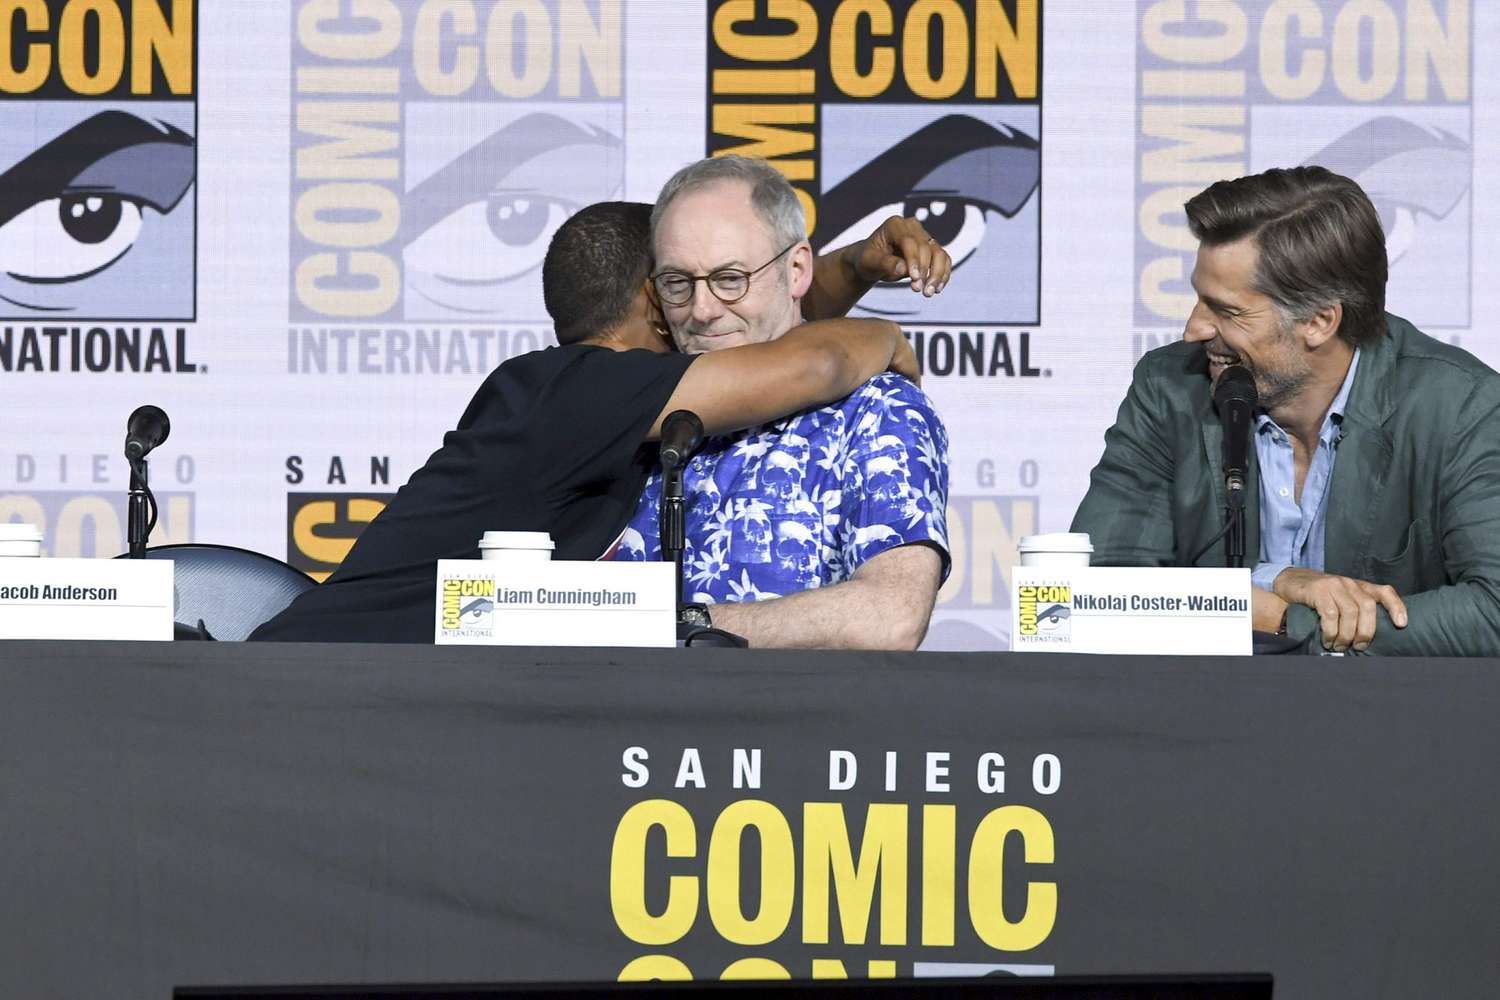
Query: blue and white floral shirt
{"points": [[805, 502]]}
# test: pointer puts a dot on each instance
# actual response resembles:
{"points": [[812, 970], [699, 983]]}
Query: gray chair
{"points": [[227, 591]]}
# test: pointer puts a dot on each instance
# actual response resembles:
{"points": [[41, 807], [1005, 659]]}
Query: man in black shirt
{"points": [[553, 440]]}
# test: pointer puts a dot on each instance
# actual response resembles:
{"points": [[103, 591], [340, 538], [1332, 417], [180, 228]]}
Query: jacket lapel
{"points": [[1362, 466]]}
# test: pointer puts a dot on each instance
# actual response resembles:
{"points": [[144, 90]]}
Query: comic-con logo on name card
{"points": [[873, 109], [436, 148], [1380, 91], [1044, 614], [468, 607], [98, 158]]}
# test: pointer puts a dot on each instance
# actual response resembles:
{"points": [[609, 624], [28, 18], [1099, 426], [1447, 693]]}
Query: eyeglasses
{"points": [[728, 284]]}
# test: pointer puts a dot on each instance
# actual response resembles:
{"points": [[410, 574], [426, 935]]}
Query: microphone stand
{"points": [[138, 529], [674, 526], [692, 629], [1234, 514]]}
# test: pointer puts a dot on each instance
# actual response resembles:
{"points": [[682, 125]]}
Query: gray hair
{"points": [[774, 200]]}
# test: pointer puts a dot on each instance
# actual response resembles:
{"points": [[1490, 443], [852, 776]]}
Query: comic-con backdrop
{"points": [[308, 230]]}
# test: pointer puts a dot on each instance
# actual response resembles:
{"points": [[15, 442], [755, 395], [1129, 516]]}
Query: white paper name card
{"points": [[86, 599], [482, 603], [1130, 610]]}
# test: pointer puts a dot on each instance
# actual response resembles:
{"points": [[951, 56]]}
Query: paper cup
{"points": [[1058, 550], [524, 548], [20, 540]]}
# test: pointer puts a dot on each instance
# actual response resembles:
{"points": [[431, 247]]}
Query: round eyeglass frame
{"points": [[708, 279]]}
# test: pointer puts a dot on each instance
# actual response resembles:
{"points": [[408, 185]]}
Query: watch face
{"points": [[697, 616]]}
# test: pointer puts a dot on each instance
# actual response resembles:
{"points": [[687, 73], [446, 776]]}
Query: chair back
{"points": [[230, 590]]}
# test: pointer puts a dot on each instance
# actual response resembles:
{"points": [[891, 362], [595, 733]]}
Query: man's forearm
{"points": [[835, 285], [886, 608]]}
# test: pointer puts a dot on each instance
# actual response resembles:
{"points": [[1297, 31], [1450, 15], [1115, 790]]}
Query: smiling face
{"points": [[716, 226], [1240, 326]]}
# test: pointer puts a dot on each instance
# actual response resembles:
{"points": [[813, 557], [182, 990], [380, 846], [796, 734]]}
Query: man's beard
{"points": [[1273, 387]]}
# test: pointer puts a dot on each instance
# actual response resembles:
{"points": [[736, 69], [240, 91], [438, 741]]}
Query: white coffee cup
{"points": [[21, 540], [524, 548], [1057, 550]]}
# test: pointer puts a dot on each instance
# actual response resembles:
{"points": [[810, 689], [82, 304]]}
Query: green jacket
{"points": [[1414, 501]]}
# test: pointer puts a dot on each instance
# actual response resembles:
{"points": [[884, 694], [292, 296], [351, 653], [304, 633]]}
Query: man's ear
{"points": [[800, 273], [1322, 327]]}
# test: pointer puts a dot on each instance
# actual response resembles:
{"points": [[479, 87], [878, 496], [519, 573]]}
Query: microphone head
{"points": [[681, 433], [1235, 384], [147, 427]]}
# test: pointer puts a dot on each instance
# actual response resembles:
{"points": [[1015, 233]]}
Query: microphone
{"points": [[1235, 397], [681, 433], [148, 427]]}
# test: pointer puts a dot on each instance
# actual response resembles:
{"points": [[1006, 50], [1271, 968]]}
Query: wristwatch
{"points": [[695, 616]]}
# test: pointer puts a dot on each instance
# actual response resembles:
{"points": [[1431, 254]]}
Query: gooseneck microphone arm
{"points": [[147, 427], [1235, 397]]}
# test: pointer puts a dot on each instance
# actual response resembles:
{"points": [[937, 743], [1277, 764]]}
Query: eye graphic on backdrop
{"points": [[72, 209], [959, 176], [487, 217], [1408, 172]]}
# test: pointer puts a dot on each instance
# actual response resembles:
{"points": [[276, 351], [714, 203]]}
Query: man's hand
{"points": [[1345, 606], [901, 248]]}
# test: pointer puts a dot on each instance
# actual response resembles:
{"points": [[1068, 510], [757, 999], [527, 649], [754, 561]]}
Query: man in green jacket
{"points": [[1373, 496]]}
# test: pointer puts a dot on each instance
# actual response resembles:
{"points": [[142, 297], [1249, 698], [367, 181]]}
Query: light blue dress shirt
{"points": [[1291, 533]]}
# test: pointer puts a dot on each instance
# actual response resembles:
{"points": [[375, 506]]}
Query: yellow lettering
{"points": [[1447, 51], [428, 47], [597, 44], [1017, 45], [1160, 206], [363, 45], [939, 841], [1197, 47], [755, 968], [103, 528], [882, 861], [914, 49], [171, 45], [995, 545], [1385, 50], [358, 140], [1275, 51], [1202, 139], [72, 31], [649, 968], [1155, 276], [536, 33], [987, 880], [381, 283], [627, 882], [843, 50], [766, 48], [379, 204], [17, 79], [778, 873]]}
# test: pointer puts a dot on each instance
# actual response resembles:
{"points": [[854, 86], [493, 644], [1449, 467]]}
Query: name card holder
{"points": [[86, 599], [491, 603], [1104, 609]]}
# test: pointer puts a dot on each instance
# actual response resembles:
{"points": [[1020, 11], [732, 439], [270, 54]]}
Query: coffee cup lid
{"points": [[516, 540], [1057, 541], [18, 531]]}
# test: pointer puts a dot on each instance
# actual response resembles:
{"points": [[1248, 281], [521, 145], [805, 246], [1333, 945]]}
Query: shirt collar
{"points": [[1335, 417]]}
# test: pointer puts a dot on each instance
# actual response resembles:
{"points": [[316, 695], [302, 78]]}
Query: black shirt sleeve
{"points": [[595, 412]]}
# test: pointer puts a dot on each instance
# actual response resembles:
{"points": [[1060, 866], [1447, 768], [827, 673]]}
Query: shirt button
{"points": [[1285, 492]]}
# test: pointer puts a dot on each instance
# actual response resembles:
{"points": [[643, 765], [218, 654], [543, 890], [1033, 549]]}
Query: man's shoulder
{"points": [[1424, 357]]}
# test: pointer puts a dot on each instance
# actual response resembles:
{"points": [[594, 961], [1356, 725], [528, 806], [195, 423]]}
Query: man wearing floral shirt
{"points": [[825, 529]]}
